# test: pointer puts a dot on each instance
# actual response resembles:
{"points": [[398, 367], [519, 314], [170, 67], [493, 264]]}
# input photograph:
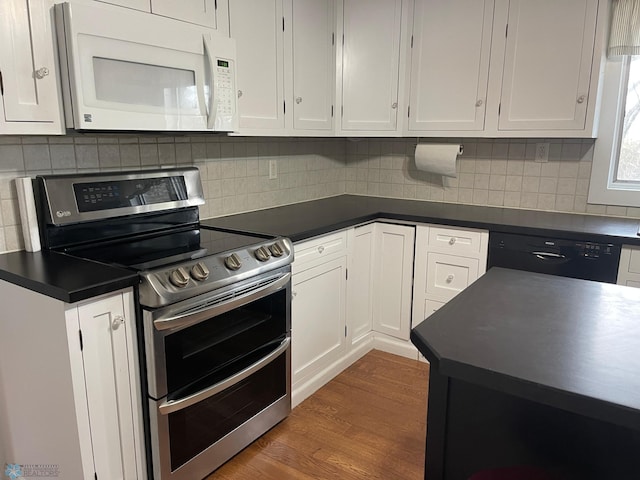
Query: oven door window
{"points": [[213, 350], [194, 429]]}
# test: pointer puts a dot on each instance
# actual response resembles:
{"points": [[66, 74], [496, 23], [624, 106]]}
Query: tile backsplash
{"points": [[235, 171]]}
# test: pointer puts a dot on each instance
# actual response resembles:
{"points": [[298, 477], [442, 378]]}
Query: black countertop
{"points": [[572, 344], [304, 220], [70, 280], [63, 277]]}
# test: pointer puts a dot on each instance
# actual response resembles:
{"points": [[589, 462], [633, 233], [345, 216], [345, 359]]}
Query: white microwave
{"points": [[130, 71]]}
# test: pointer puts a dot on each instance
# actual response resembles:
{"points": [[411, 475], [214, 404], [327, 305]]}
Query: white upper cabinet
{"points": [[548, 65], [201, 12], [450, 52], [257, 27], [208, 13], [370, 64], [312, 59], [31, 101], [143, 5]]}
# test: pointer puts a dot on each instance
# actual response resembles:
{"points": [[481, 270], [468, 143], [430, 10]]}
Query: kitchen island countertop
{"points": [[533, 368]]}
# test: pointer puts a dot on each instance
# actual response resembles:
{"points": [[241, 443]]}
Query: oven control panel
{"points": [[174, 283]]}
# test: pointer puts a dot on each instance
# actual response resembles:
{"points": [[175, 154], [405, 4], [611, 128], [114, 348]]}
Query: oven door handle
{"points": [[197, 315], [172, 406]]}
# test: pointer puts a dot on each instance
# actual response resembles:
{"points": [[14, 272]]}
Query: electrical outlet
{"points": [[273, 169], [542, 152]]}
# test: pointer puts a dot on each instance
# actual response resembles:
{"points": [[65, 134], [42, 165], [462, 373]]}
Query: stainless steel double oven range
{"points": [[213, 306]]}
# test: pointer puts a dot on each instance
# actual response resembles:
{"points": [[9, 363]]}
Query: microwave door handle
{"points": [[213, 94]]}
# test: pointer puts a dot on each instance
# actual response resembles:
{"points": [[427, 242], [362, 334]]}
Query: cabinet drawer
{"points": [[448, 275], [319, 248], [458, 241]]}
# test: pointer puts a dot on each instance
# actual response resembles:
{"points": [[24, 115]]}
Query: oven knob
{"points": [[262, 254], [179, 277], [276, 249], [200, 271], [233, 262]]}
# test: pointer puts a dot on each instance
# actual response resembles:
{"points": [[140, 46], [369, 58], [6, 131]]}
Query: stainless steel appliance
{"points": [[555, 256], [214, 307], [128, 70]]}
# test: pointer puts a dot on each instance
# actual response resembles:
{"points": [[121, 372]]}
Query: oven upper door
{"points": [[129, 70]]}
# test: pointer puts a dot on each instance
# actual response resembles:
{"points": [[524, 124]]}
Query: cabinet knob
{"points": [[41, 73], [298, 99], [450, 278], [320, 249], [117, 321], [582, 98], [293, 294], [452, 240], [479, 103], [394, 105], [239, 93]]}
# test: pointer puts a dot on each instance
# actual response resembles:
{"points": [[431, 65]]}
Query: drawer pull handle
{"points": [[450, 278], [320, 249], [452, 240]]}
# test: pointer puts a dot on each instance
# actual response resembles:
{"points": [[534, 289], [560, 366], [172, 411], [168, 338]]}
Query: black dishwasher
{"points": [[566, 258]]}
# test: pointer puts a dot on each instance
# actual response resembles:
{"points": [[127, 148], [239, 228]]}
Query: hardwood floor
{"points": [[367, 423]]}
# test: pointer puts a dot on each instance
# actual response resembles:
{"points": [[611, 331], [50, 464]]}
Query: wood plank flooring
{"points": [[367, 423]]}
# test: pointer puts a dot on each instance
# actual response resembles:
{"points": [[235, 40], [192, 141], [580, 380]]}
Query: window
{"points": [[615, 174], [628, 165]]}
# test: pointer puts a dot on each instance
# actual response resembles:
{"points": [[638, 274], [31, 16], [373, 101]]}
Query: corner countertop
{"points": [[308, 219], [63, 277], [568, 343], [71, 279]]}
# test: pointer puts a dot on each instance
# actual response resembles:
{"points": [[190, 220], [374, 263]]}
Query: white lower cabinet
{"points": [[629, 270], [70, 386], [392, 274], [318, 312], [447, 260], [351, 292]]}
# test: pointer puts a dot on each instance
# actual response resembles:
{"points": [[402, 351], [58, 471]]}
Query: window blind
{"points": [[624, 38]]}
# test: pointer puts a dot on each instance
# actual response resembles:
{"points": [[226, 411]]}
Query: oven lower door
{"points": [[193, 436]]}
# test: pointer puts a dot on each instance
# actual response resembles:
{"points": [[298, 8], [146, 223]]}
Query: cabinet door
{"points": [[106, 358], [547, 65], [360, 286], [393, 275], [370, 64], [313, 57], [317, 318], [30, 98], [200, 12], [450, 64], [144, 5], [257, 27]]}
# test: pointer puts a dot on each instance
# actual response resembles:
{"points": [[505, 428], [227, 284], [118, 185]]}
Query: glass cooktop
{"points": [[155, 250]]}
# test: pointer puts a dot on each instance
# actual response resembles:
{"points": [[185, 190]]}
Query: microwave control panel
{"points": [[226, 93]]}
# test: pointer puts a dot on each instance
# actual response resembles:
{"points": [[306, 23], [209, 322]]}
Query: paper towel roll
{"points": [[439, 158], [28, 217]]}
